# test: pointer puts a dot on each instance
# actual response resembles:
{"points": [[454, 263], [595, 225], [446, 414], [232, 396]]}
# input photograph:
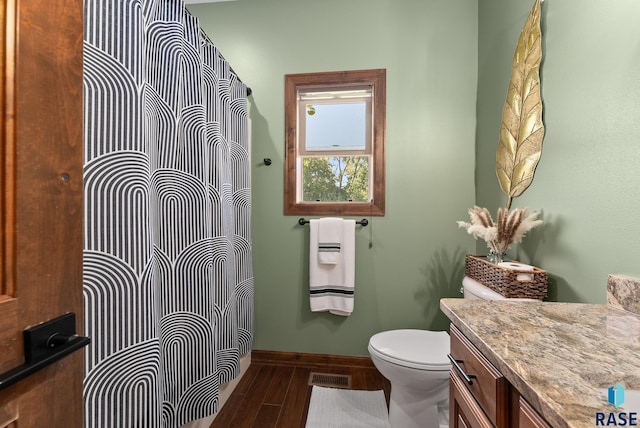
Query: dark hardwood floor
{"points": [[274, 392]]}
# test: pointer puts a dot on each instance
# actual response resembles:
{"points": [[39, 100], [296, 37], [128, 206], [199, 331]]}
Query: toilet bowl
{"points": [[415, 363]]}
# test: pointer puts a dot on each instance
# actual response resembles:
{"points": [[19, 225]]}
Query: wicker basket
{"points": [[505, 281]]}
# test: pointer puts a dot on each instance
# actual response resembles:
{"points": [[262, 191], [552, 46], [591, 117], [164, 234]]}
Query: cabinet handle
{"points": [[467, 377]]}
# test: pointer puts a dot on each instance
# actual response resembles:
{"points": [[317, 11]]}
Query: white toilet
{"points": [[416, 364]]}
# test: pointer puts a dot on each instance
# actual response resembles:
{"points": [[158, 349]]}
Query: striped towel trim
{"points": [[329, 247], [331, 290]]}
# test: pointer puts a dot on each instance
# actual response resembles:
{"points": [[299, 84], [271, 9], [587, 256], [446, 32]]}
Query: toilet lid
{"points": [[421, 349]]}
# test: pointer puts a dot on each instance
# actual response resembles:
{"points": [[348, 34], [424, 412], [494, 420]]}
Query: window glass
{"points": [[335, 178], [336, 126]]}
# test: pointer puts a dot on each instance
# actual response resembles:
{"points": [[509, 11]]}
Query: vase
{"points": [[496, 257]]}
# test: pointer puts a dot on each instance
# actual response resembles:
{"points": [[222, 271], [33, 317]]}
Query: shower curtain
{"points": [[168, 280]]}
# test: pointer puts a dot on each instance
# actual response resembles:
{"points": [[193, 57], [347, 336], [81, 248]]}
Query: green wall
{"points": [[587, 184], [448, 66], [410, 258]]}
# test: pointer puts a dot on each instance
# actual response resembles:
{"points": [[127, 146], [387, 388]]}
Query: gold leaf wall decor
{"points": [[522, 129]]}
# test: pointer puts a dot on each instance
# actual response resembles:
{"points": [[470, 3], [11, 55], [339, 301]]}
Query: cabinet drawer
{"points": [[485, 383]]}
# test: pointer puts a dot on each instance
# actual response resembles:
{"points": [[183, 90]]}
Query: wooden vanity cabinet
{"points": [[480, 396], [475, 380], [528, 417], [464, 410]]}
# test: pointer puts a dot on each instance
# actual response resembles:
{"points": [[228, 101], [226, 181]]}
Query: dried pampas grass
{"points": [[510, 227]]}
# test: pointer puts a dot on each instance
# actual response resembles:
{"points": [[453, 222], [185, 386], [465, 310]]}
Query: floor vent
{"points": [[329, 380]]}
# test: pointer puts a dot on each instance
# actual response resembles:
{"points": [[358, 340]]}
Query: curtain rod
{"points": [[249, 91], [206, 36]]}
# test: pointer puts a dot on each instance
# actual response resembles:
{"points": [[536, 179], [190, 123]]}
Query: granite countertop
{"points": [[562, 357]]}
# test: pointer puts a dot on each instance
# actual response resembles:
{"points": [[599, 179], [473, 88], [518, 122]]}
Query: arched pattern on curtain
{"points": [[168, 278]]}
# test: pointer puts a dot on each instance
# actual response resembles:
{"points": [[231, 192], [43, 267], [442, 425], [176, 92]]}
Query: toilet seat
{"points": [[418, 349]]}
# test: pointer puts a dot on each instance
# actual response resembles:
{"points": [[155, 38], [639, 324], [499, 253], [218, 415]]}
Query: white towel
{"points": [[330, 232], [332, 285]]}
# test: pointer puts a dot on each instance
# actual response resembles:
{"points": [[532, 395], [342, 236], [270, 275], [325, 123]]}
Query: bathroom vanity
{"points": [[541, 364]]}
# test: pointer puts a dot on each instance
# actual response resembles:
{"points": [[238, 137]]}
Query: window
{"points": [[334, 137]]}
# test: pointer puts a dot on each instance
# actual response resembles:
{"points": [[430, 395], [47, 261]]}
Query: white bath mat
{"points": [[342, 408]]}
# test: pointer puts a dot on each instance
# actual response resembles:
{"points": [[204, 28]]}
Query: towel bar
{"points": [[363, 222]]}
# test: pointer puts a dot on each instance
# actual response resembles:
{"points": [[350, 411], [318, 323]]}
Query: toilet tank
{"points": [[475, 290]]}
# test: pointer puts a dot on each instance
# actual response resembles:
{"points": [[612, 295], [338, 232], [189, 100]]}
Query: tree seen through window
{"points": [[336, 178]]}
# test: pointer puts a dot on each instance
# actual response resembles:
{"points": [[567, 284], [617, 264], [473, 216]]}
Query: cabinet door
{"points": [[464, 411], [528, 417]]}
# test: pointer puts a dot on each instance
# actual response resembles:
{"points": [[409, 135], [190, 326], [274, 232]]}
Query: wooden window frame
{"points": [[376, 78]]}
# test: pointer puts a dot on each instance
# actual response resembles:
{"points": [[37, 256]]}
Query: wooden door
{"points": [[41, 202]]}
